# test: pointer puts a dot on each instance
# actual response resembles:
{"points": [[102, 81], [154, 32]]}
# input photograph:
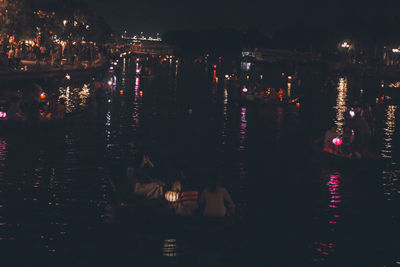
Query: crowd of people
{"points": [[54, 54]]}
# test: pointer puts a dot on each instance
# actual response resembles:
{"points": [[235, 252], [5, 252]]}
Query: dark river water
{"points": [[58, 205]]}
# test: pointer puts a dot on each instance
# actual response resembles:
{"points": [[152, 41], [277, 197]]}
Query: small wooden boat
{"points": [[262, 100], [340, 159]]}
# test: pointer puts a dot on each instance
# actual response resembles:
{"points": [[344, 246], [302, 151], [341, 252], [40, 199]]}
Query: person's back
{"points": [[214, 201]]}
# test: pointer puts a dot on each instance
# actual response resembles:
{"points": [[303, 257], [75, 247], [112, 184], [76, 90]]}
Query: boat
{"points": [[336, 158], [264, 100]]}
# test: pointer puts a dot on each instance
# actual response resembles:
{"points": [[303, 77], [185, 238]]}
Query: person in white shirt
{"points": [[214, 198]]}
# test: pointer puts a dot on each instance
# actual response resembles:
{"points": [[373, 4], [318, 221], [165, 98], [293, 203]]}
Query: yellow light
{"points": [[171, 196]]}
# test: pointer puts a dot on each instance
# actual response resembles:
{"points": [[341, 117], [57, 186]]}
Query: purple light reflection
{"points": [[324, 248], [243, 129]]}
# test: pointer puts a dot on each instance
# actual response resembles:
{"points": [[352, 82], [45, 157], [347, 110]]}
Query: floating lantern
{"points": [[171, 196], [352, 113], [67, 76], [141, 93], [244, 90], [3, 115], [337, 141], [121, 92], [43, 96], [298, 104]]}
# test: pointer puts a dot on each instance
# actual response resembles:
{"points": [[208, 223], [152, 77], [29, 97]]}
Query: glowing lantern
{"points": [[121, 92], [3, 115], [141, 93], [337, 141], [298, 104], [42, 96], [244, 90], [352, 113], [171, 196]]}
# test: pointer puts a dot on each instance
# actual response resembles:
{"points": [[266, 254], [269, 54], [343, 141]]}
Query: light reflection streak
{"points": [[74, 97], [243, 128], [170, 248], [289, 89], [3, 156], [108, 130], [390, 172], [224, 126], [389, 129], [136, 102], [341, 104], [324, 248]]}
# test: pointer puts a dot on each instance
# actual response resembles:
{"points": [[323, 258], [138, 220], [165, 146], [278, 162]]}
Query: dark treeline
{"points": [[67, 20], [364, 34]]}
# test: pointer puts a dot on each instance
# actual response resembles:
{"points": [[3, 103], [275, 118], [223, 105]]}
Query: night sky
{"points": [[153, 16]]}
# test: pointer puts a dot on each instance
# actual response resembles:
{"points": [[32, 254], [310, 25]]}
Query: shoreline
{"points": [[52, 72]]}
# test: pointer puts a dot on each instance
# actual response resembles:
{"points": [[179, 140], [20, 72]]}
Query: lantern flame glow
{"points": [[337, 141], [171, 196]]}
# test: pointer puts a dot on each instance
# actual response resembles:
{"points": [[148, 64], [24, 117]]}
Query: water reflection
{"points": [[390, 172], [170, 248], [3, 183], [389, 129], [137, 101], [225, 120], [326, 247], [341, 104], [75, 98], [243, 129]]}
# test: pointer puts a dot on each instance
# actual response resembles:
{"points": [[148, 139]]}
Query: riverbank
{"points": [[44, 70]]}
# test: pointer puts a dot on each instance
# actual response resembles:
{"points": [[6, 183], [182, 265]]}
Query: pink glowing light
{"points": [[337, 141], [352, 113], [3, 115], [244, 90]]}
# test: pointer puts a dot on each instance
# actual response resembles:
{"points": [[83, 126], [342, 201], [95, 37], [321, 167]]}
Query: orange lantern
{"points": [[43, 96], [171, 196]]}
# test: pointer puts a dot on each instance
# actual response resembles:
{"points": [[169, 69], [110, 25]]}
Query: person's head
{"points": [[213, 182], [176, 186]]}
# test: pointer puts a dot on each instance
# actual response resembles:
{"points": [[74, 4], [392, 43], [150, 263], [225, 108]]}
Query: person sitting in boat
{"points": [[14, 112], [330, 134], [144, 184], [214, 197], [348, 142]]}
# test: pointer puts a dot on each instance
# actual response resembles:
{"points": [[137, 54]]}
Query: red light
{"points": [[3, 115], [337, 141], [42, 96], [121, 92], [298, 104]]}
